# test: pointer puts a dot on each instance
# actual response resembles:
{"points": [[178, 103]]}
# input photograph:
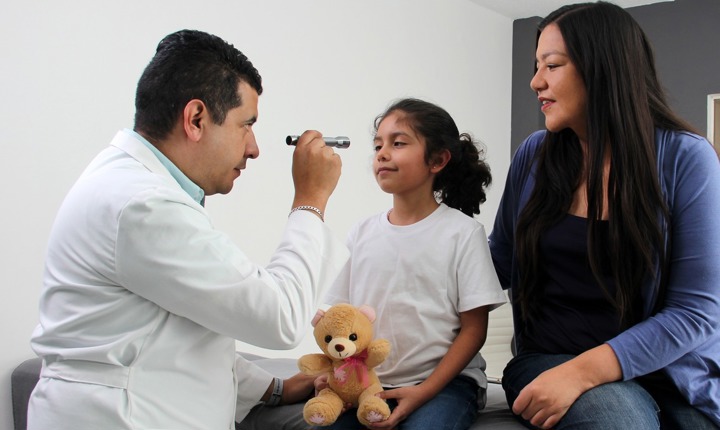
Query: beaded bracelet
{"points": [[309, 208], [276, 395]]}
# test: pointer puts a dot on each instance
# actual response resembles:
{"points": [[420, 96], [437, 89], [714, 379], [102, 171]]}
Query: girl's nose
{"points": [[382, 153]]}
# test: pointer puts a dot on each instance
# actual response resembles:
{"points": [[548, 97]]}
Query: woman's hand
{"points": [[545, 400]]}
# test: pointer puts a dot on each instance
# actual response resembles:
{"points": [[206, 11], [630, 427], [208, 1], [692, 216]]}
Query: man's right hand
{"points": [[316, 171]]}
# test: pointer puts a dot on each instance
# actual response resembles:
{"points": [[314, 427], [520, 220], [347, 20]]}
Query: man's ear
{"points": [[439, 161], [194, 116]]}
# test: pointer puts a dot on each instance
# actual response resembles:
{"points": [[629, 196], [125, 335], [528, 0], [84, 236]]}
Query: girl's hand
{"points": [[321, 383], [408, 400]]}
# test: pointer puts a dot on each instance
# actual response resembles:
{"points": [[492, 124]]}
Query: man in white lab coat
{"points": [[142, 298]]}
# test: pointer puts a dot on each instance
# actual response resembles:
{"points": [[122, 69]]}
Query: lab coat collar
{"points": [[126, 140]]}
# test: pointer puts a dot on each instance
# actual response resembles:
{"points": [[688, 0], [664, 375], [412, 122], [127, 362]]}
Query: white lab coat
{"points": [[143, 300]]}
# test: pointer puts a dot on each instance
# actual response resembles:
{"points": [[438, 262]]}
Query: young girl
{"points": [[608, 236], [425, 266]]}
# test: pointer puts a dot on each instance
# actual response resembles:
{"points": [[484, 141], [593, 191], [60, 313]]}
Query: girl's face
{"points": [[559, 86], [399, 163]]}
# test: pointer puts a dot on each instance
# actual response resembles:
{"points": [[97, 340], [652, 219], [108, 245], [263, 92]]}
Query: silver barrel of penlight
{"points": [[335, 142]]}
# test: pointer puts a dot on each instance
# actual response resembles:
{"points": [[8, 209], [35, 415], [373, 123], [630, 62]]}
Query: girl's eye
{"points": [[376, 148]]}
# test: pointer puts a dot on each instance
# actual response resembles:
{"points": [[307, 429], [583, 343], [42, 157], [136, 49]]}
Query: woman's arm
{"points": [[688, 317], [519, 183]]}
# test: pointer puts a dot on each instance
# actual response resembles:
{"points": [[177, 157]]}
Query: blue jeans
{"points": [[453, 408], [650, 402]]}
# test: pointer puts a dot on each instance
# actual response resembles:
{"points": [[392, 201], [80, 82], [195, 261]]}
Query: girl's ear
{"points": [[439, 161]]}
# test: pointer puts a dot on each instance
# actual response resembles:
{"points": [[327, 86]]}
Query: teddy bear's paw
{"points": [[317, 419], [322, 410], [374, 417], [373, 410]]}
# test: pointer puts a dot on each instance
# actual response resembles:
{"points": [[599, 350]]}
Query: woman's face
{"points": [[559, 86]]}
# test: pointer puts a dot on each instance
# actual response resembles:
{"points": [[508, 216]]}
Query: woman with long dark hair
{"points": [[608, 236]]}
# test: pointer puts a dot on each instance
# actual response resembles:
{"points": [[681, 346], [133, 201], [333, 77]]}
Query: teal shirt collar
{"points": [[186, 184]]}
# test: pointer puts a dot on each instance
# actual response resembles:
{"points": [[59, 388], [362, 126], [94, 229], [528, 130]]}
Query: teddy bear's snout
{"points": [[341, 347]]}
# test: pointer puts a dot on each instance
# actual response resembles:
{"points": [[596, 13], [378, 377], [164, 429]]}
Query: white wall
{"points": [[68, 79]]}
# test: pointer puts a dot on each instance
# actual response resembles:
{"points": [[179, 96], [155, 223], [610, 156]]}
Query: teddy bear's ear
{"points": [[368, 312], [318, 315]]}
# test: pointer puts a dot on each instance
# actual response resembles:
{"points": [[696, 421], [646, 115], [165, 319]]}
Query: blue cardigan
{"points": [[683, 338]]}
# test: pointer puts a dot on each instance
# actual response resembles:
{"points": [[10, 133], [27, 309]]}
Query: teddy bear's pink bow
{"points": [[358, 363]]}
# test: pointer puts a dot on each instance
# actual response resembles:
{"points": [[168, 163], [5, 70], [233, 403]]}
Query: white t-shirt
{"points": [[419, 278]]}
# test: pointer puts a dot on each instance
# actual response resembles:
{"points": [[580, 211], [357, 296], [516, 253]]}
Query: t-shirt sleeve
{"points": [[478, 284]]}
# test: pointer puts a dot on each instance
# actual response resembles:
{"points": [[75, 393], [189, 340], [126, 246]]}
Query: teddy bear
{"points": [[345, 335]]}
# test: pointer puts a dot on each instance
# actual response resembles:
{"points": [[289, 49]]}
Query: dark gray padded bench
{"points": [[496, 414]]}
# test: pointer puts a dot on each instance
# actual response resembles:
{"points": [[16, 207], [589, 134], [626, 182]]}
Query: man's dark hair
{"points": [[187, 65]]}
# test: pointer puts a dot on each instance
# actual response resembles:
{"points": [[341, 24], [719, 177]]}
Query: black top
{"points": [[575, 313]]}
